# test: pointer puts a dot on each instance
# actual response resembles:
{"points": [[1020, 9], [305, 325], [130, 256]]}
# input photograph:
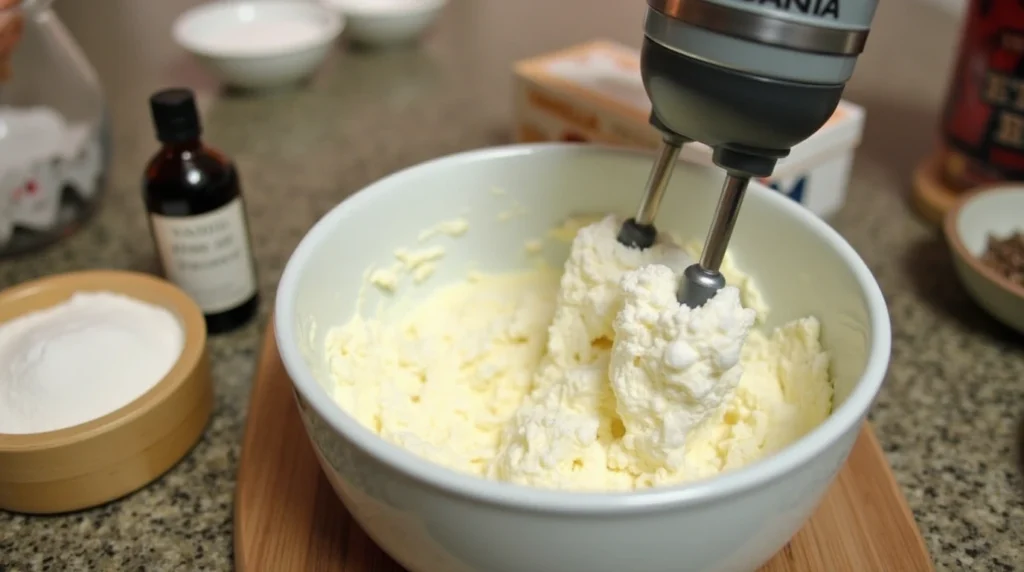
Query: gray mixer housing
{"points": [[749, 78]]}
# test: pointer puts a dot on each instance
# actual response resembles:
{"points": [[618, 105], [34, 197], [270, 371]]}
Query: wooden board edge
{"points": [[239, 530], [868, 432], [268, 363]]}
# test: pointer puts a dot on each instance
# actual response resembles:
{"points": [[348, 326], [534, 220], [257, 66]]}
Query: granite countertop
{"points": [[948, 416]]}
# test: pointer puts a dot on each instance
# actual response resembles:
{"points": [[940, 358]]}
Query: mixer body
{"points": [[750, 78]]}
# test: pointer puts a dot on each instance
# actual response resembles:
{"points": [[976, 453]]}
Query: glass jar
{"points": [[54, 130]]}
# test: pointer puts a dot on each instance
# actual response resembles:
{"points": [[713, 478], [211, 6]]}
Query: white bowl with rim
{"points": [[998, 211], [259, 44], [432, 518], [380, 23]]}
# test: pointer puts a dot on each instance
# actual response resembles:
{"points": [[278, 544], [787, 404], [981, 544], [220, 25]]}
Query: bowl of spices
{"points": [[985, 231], [105, 386], [263, 44]]}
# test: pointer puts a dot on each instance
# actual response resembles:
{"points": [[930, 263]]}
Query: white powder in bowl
{"points": [[259, 37], [84, 358]]}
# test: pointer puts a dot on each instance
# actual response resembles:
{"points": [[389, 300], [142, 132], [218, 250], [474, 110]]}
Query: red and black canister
{"points": [[983, 122]]}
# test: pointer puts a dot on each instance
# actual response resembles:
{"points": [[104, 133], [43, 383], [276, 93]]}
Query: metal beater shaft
{"points": [[701, 281], [657, 182], [639, 232]]}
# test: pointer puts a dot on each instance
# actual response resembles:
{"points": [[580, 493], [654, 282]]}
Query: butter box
{"points": [[593, 93]]}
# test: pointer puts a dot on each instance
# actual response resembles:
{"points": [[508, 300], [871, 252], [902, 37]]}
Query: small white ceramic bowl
{"points": [[999, 211], [259, 44], [380, 23], [431, 518]]}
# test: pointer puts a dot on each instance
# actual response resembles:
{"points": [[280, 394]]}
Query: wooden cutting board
{"points": [[288, 518]]}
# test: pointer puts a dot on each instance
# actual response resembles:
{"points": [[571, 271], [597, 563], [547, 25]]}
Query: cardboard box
{"points": [[593, 93]]}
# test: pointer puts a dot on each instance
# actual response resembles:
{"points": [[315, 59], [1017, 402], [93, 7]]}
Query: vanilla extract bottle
{"points": [[197, 216]]}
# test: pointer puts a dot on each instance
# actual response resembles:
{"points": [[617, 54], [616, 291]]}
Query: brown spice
{"points": [[1006, 256]]}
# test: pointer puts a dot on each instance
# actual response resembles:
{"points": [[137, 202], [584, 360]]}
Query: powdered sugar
{"points": [[259, 37], [82, 359]]}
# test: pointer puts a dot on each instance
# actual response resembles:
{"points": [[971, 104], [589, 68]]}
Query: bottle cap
{"points": [[175, 115]]}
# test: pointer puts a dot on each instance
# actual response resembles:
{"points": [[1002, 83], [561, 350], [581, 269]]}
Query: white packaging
{"points": [[40, 154], [593, 92]]}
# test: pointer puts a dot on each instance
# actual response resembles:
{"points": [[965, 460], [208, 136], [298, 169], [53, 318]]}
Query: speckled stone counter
{"points": [[948, 416]]}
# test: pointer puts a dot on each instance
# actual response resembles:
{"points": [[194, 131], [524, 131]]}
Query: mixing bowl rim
{"points": [[370, 12], [843, 419]]}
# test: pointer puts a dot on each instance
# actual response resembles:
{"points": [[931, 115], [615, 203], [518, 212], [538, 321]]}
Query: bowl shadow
{"points": [[929, 268], [896, 151], [147, 263], [241, 92], [1019, 452]]}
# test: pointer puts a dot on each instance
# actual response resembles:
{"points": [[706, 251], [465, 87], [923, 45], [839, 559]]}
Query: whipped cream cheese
{"points": [[672, 367], [421, 263], [593, 380]]}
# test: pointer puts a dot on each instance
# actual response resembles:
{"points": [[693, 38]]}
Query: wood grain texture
{"points": [[931, 198], [288, 518]]}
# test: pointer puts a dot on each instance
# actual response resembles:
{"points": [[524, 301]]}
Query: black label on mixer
{"points": [[820, 8]]}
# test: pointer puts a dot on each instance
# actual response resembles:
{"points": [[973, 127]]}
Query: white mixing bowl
{"points": [[241, 42], [380, 23], [432, 519]]}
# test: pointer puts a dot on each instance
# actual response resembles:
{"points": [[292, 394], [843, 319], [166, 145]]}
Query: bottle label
{"points": [[208, 256]]}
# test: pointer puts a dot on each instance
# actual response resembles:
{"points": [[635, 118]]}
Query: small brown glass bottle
{"points": [[197, 216]]}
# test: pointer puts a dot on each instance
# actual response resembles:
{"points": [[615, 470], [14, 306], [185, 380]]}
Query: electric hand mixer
{"points": [[748, 78]]}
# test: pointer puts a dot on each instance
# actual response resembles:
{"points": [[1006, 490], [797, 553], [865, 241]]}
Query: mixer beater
{"points": [[639, 231], [748, 78]]}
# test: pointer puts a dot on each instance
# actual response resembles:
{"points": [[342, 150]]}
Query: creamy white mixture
{"points": [[597, 379], [421, 263], [81, 359]]}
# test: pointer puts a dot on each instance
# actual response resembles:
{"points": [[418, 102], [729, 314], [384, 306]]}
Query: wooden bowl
{"points": [[104, 459], [931, 197], [998, 210]]}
